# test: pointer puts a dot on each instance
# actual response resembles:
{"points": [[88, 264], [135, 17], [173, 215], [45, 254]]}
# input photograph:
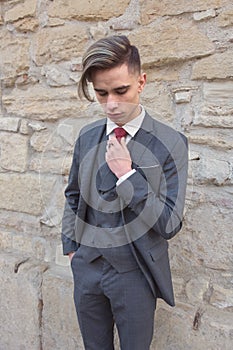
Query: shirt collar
{"points": [[131, 127]]}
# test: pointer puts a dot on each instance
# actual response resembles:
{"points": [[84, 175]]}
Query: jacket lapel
{"points": [[140, 143]]}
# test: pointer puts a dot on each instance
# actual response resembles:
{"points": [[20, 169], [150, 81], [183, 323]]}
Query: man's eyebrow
{"points": [[117, 88], [99, 90], [122, 87]]}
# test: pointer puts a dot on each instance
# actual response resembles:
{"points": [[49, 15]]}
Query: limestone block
{"points": [[166, 73], [217, 139], [37, 126], [86, 10], [14, 56], [40, 247], [23, 192], [206, 238], [53, 207], [24, 127], [36, 247], [59, 76], [55, 22], [217, 66], [211, 170], [213, 120], [225, 18], [25, 9], [21, 305], [218, 94], [152, 9], [196, 289], [67, 133], [40, 103], [22, 243], [46, 140], [129, 20], [59, 326], [61, 260], [185, 327], [217, 106], [98, 32], [27, 79], [157, 101], [183, 96], [47, 164], [9, 124], [14, 152], [60, 43], [169, 41], [222, 297], [26, 25], [21, 223], [5, 240], [199, 16]]}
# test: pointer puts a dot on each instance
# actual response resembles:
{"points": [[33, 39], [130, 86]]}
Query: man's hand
{"points": [[70, 255], [118, 157]]}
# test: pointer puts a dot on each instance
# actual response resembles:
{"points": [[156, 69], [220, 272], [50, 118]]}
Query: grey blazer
{"points": [[150, 202]]}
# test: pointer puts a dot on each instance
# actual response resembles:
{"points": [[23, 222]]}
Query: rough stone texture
{"points": [[21, 303], [24, 192], [57, 44], [58, 305], [14, 152], [157, 100], [169, 41], [20, 11], [42, 104], [225, 18], [200, 16], [86, 10], [153, 9], [9, 124], [218, 66], [186, 49], [209, 329], [13, 49]]}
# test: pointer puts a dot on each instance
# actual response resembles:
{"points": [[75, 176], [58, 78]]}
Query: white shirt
{"points": [[132, 128]]}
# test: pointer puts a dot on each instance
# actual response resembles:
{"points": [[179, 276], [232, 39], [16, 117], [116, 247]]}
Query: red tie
{"points": [[119, 133]]}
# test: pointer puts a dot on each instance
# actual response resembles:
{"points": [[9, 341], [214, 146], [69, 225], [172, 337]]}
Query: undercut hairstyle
{"points": [[107, 53]]}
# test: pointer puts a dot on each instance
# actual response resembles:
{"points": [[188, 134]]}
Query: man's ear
{"points": [[141, 82]]}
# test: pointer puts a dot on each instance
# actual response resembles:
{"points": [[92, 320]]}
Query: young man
{"points": [[124, 200]]}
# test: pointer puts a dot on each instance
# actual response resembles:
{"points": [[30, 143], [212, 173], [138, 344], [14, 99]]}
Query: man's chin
{"points": [[116, 116]]}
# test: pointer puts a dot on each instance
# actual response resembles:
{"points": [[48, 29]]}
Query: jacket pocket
{"points": [[152, 173], [157, 251]]}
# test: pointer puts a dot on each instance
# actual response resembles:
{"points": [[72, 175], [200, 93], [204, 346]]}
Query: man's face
{"points": [[118, 90]]}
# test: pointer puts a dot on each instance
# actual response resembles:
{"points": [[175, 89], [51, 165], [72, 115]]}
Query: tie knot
{"points": [[119, 133]]}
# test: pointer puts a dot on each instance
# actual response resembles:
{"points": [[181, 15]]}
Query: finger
{"points": [[123, 144], [123, 141]]}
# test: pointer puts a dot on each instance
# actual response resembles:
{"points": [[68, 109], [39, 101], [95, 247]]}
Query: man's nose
{"points": [[111, 103]]}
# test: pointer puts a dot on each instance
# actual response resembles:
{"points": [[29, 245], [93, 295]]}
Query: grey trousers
{"points": [[103, 297]]}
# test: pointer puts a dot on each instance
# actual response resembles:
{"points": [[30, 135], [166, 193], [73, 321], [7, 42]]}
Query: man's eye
{"points": [[102, 93], [122, 92]]}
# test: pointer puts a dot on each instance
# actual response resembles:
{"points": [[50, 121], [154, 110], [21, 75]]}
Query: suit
{"points": [[129, 225]]}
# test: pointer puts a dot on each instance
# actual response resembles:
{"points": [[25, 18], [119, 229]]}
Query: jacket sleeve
{"points": [[160, 209], [72, 194]]}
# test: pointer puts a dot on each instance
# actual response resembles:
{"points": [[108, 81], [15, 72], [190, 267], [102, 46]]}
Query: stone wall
{"points": [[187, 52]]}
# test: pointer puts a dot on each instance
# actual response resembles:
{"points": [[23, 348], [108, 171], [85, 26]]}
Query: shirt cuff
{"points": [[124, 177]]}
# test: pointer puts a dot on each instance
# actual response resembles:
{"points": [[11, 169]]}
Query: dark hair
{"points": [[107, 53]]}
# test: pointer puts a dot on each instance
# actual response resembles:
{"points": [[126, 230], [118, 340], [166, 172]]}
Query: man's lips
{"points": [[114, 115]]}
